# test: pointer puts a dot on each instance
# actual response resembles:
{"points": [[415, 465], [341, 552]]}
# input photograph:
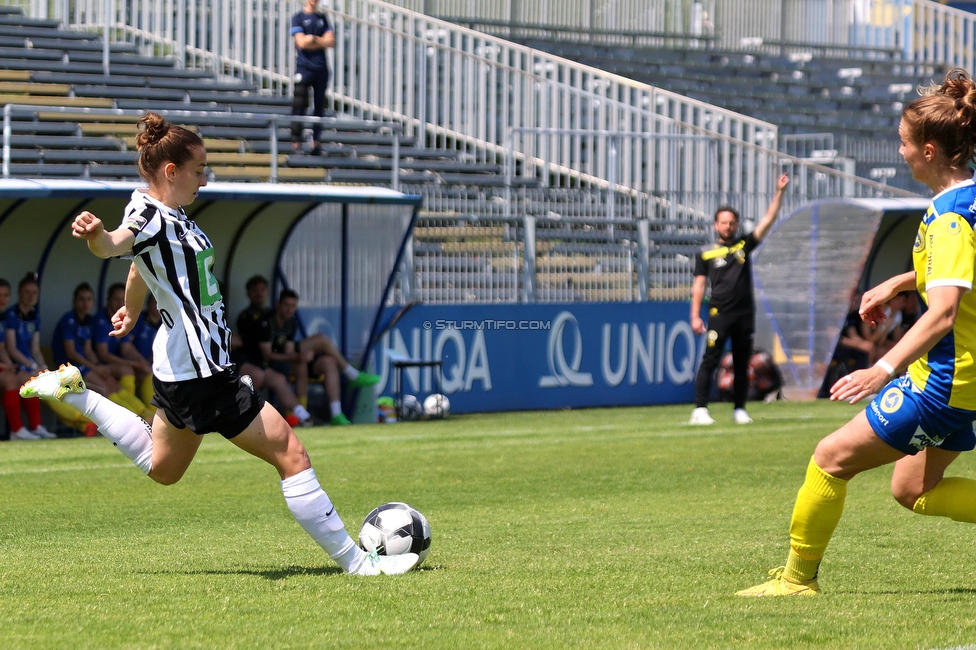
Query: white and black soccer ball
{"points": [[410, 408], [437, 406], [396, 528]]}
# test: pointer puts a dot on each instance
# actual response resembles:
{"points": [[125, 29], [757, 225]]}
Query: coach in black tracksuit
{"points": [[313, 36], [732, 311]]}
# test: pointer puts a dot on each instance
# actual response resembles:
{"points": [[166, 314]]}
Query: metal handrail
{"points": [[273, 121]]}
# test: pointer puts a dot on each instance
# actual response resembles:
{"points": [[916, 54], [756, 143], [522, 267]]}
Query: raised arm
{"points": [[762, 228], [101, 242]]}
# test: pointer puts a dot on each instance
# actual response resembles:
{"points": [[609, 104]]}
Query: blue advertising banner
{"points": [[544, 356]]}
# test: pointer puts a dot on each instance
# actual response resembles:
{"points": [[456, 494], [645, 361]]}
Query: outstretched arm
{"points": [[922, 337], [101, 242], [762, 228], [873, 301]]}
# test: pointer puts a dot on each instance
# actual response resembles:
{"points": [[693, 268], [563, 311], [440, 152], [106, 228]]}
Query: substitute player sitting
{"points": [[316, 355]]}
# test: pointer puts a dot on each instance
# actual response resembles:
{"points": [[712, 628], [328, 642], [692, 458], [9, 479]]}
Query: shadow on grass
{"points": [[281, 573], [968, 591]]}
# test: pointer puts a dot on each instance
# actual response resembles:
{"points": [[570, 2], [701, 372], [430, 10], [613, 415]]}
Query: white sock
{"points": [[336, 407], [313, 510], [301, 412], [127, 431], [351, 372]]}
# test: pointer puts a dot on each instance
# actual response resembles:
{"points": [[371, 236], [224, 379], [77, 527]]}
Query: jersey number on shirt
{"points": [[209, 289]]}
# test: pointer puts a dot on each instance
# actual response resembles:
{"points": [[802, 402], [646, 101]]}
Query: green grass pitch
{"points": [[601, 528]]}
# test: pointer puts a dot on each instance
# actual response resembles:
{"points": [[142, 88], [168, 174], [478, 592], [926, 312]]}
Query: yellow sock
{"points": [[146, 391], [70, 416], [954, 498], [819, 505], [128, 383], [125, 400], [303, 400], [135, 404]]}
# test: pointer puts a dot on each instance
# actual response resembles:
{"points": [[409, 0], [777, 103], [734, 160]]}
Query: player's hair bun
{"points": [[154, 128], [959, 86]]}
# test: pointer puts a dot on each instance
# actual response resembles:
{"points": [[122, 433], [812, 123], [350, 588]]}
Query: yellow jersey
{"points": [[945, 255]]}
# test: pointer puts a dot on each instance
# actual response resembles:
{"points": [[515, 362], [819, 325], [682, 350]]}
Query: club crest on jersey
{"points": [[891, 401], [919, 243]]}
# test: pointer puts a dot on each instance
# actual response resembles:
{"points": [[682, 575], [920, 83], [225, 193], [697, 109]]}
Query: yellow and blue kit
{"points": [[935, 403]]}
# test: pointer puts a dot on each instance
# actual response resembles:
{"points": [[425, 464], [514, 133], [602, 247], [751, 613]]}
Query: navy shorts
{"points": [[224, 403], [910, 420]]}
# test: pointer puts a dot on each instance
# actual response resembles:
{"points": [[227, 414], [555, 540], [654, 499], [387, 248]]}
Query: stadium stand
{"points": [[44, 65], [805, 91]]}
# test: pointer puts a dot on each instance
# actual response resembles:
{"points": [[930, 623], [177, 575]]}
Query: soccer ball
{"points": [[437, 406], [410, 408], [396, 528]]}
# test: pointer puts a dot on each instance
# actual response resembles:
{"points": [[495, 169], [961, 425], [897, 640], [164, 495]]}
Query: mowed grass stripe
{"points": [[604, 528]]}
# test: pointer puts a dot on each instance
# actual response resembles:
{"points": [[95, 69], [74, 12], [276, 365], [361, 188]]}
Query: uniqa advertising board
{"points": [[545, 356]]}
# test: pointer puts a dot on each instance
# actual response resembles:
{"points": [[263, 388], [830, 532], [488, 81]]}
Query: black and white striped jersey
{"points": [[176, 260]]}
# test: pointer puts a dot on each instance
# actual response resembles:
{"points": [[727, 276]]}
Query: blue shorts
{"points": [[910, 420]]}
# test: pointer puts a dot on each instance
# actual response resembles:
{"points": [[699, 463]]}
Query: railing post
{"points": [[273, 126], [612, 176], [643, 259], [7, 111], [106, 38], [528, 259], [406, 272], [421, 90], [395, 182], [181, 34]]}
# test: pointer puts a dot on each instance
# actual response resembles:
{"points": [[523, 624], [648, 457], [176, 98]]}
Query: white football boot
{"points": [[384, 565], [54, 384], [701, 416], [741, 417]]}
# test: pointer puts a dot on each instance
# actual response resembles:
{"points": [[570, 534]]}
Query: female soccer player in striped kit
{"points": [[923, 420], [197, 388]]}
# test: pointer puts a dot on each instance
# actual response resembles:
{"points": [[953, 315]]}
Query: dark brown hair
{"points": [[727, 208], [160, 142], [30, 278], [84, 286], [945, 115]]}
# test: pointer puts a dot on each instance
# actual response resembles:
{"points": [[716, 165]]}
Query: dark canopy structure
{"points": [[255, 228], [809, 268]]}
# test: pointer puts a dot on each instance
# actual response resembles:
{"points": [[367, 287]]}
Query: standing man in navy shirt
{"points": [[313, 36]]}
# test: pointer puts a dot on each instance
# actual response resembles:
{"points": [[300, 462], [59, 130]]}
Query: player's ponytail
{"points": [[160, 142], [945, 114]]}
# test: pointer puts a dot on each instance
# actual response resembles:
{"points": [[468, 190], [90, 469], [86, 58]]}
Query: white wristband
{"points": [[887, 367]]}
